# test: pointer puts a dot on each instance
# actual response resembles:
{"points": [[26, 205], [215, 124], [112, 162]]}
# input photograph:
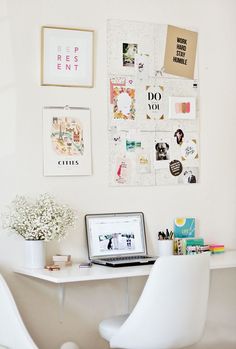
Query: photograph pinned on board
{"points": [[132, 145], [129, 50], [162, 153], [133, 140], [182, 108], [190, 175], [141, 66], [123, 100], [154, 102], [189, 149], [179, 136], [184, 227]]}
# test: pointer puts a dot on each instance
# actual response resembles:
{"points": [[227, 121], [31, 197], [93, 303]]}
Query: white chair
{"points": [[171, 310], [13, 333]]}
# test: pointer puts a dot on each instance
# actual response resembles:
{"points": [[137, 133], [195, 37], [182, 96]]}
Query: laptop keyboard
{"points": [[127, 258]]}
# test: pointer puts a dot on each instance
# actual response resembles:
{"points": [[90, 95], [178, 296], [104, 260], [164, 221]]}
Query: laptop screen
{"points": [[115, 234]]}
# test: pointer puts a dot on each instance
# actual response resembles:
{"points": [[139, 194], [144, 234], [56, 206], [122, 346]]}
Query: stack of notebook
{"points": [[217, 248], [190, 246], [62, 260]]}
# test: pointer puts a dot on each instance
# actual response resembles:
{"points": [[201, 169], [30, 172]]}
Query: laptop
{"points": [[117, 239]]}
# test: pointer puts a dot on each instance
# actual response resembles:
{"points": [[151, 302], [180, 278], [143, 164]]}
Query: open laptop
{"points": [[117, 239]]}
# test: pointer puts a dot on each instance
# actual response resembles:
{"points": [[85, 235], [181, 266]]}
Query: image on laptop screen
{"points": [[115, 234]]}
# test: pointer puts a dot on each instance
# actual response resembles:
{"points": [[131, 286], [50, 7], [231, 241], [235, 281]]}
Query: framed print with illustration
{"points": [[66, 57], [66, 138]]}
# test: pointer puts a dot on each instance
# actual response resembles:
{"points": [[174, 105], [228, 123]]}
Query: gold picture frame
{"points": [[67, 57]]}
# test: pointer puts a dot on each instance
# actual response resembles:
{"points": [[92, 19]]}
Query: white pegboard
{"points": [[133, 136]]}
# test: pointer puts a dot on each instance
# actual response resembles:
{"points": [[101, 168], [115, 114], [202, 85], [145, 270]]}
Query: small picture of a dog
{"points": [[162, 151]]}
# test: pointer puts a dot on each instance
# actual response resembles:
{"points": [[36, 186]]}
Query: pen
{"points": [[165, 236]]}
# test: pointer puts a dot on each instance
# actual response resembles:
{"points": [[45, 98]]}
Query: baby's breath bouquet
{"points": [[41, 219]]}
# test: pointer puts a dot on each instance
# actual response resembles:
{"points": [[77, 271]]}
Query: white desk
{"points": [[97, 272]]}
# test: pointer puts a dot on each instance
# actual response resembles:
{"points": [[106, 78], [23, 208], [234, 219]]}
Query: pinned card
{"points": [[142, 66], [154, 102], [189, 149], [182, 108], [143, 163], [122, 170], [180, 52]]}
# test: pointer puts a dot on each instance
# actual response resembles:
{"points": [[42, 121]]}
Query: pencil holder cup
{"points": [[165, 247]]}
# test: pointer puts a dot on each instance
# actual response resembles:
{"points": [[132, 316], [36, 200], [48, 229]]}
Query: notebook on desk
{"points": [[117, 239]]}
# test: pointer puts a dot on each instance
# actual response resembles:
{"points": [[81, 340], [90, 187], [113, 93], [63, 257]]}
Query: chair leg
{"points": [[69, 345]]}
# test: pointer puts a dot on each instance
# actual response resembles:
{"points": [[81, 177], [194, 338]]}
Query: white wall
{"points": [[212, 202]]}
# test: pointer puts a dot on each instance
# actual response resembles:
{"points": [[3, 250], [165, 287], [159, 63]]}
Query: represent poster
{"points": [[180, 52], [67, 148], [67, 57]]}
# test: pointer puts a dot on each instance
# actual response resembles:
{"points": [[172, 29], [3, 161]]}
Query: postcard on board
{"points": [[180, 52]]}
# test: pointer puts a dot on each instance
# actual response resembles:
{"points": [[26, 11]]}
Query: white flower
{"points": [[43, 219]]}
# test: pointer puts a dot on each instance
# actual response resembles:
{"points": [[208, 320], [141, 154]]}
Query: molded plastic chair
{"points": [[171, 310], [13, 333]]}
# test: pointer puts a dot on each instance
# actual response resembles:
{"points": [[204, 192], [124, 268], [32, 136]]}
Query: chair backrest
{"points": [[171, 310], [13, 333]]}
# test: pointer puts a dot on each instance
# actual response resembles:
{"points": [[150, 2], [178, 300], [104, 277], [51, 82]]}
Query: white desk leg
{"points": [[61, 298]]}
